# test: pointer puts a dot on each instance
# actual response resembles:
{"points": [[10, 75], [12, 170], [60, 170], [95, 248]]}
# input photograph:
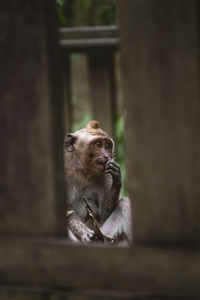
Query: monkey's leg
{"points": [[78, 229], [119, 224]]}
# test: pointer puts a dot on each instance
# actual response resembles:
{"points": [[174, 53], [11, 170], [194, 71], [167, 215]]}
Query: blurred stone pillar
{"points": [[31, 120], [160, 72]]}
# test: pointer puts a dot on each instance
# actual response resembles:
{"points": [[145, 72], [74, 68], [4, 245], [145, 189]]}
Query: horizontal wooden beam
{"points": [[88, 32], [87, 37], [83, 43], [139, 270]]}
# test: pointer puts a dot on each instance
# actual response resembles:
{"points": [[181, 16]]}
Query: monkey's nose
{"points": [[106, 157]]}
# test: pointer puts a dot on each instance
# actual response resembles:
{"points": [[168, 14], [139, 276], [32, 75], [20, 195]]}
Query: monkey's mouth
{"points": [[101, 162]]}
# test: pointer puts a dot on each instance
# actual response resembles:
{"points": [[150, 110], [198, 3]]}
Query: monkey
{"points": [[95, 211]]}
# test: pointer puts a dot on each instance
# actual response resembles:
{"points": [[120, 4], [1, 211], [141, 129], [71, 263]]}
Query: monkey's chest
{"points": [[89, 200]]}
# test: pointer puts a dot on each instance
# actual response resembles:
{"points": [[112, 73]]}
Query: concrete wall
{"points": [[160, 73], [30, 119]]}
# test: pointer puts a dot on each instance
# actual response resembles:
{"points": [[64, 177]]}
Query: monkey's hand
{"points": [[79, 229], [113, 168]]}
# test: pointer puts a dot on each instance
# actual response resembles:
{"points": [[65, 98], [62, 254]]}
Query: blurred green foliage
{"points": [[120, 151], [78, 125], [86, 12]]}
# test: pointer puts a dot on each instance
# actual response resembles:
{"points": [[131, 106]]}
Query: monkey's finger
{"points": [[112, 161], [113, 173], [113, 167], [114, 164]]}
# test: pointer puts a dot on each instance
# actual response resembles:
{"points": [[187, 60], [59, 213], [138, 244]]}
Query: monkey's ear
{"points": [[70, 140]]}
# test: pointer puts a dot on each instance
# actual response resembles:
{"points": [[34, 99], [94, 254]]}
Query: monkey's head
{"points": [[88, 150]]}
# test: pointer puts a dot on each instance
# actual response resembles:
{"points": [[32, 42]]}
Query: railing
{"points": [[100, 44]]}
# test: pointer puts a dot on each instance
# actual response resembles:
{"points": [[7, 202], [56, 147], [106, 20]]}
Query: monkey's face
{"points": [[88, 153], [99, 153]]}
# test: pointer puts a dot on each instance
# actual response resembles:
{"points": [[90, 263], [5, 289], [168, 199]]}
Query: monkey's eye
{"points": [[98, 144], [108, 145]]}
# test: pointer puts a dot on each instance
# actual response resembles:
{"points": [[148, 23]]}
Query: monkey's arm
{"points": [[113, 168], [119, 222], [78, 228]]}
